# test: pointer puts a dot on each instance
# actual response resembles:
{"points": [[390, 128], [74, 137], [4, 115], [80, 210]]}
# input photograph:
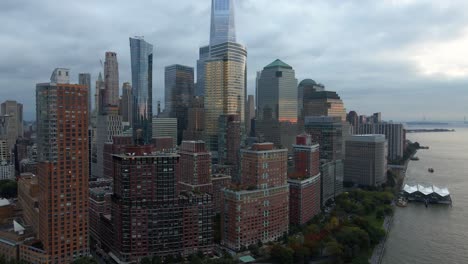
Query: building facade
{"points": [[324, 103], [179, 91], [195, 167], [85, 80], [141, 53], [14, 128], [366, 160], [225, 88], [62, 136], [165, 127], [394, 133], [258, 211], [111, 80], [223, 26], [126, 103]]}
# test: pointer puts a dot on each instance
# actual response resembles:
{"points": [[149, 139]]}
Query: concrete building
{"points": [[366, 160], [7, 170], [111, 80], [220, 182], [250, 115], [165, 127], [85, 80], [14, 129], [394, 133], [259, 209], [109, 125], [126, 103], [62, 118], [332, 172]]}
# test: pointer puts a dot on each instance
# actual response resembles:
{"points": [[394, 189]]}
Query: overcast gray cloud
{"points": [[406, 58]]}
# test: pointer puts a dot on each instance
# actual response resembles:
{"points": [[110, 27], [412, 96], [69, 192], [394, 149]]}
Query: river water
{"points": [[438, 234]]}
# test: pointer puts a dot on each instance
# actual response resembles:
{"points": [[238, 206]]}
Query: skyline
{"points": [[392, 51]]}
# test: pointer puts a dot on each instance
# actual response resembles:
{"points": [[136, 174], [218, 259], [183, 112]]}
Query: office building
{"points": [[332, 176], [304, 182], [394, 133], [179, 91], [99, 94], [225, 88], [328, 132], [62, 118], [204, 54], [366, 160], [249, 115], [305, 89], [141, 54], [111, 80], [109, 124], [324, 103], [353, 119], [260, 210], [126, 103], [277, 104], [85, 80], [14, 128], [165, 127], [223, 27], [7, 170]]}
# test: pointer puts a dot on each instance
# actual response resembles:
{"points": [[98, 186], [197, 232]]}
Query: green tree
{"points": [[282, 255], [156, 260], [334, 248], [8, 189]]}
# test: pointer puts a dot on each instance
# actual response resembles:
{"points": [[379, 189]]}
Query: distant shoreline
{"points": [[435, 130]]}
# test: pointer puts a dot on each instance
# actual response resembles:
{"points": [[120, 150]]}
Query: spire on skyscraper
{"points": [[223, 27]]}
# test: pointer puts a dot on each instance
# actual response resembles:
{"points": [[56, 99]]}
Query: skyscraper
{"points": [[142, 80], [324, 103], [14, 128], [111, 80], [249, 114], [277, 93], [85, 80], [225, 88], [223, 28], [62, 139], [126, 103], [277, 104], [304, 90], [204, 54], [98, 96], [195, 167], [179, 88]]}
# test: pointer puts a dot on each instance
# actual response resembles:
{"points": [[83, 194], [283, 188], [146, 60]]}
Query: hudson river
{"points": [[439, 233]]}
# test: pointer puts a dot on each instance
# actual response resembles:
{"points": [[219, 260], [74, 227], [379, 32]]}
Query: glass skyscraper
{"points": [[225, 87], [142, 79], [178, 94], [203, 56], [223, 28]]}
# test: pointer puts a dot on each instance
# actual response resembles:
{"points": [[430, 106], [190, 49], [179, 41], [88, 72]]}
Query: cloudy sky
{"points": [[405, 58]]}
